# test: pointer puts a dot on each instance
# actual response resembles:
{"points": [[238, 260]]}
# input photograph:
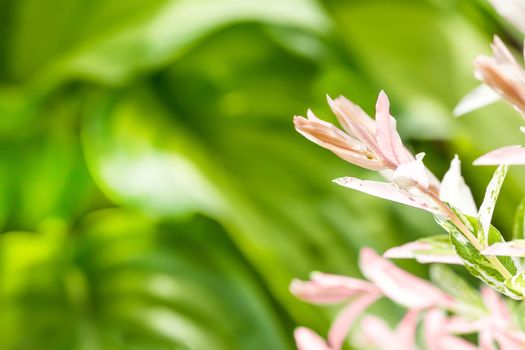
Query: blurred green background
{"points": [[153, 192]]}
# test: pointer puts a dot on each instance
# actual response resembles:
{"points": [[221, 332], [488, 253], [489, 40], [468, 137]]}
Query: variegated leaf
{"points": [[433, 249], [489, 203], [517, 284], [475, 262], [519, 221]]}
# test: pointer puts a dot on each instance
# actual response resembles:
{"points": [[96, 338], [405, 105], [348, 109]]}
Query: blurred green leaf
{"points": [[154, 286], [518, 231]]}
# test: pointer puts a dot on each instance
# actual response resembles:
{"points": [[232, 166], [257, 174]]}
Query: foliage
{"points": [[153, 194]]}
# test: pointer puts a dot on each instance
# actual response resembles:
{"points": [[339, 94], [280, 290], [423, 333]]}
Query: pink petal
{"points": [[376, 332], [437, 337], [387, 191], [510, 340], [486, 340], [459, 325], [388, 139], [499, 312], [332, 138], [406, 330], [434, 328], [306, 339], [512, 248], [400, 286], [511, 155], [346, 318], [354, 121], [406, 251], [451, 342], [329, 289]]}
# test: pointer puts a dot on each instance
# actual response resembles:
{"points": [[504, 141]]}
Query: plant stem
{"points": [[466, 232]]}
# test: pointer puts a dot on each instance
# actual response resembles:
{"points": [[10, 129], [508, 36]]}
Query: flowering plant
{"points": [[449, 308]]}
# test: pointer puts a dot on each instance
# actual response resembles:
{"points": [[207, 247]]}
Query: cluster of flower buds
{"points": [[442, 316], [375, 145]]}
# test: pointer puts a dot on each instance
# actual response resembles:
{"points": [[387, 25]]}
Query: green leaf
{"points": [[476, 263], [489, 203], [149, 35], [518, 231], [125, 281], [517, 283]]}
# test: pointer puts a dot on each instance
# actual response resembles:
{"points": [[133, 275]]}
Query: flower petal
{"points": [[333, 139], [510, 155], [354, 120], [437, 333], [306, 339], [499, 312], [406, 330], [400, 286], [387, 191], [459, 325], [329, 289], [406, 251], [451, 342], [344, 321], [479, 97], [510, 340], [455, 191], [376, 333], [388, 140], [503, 75]]}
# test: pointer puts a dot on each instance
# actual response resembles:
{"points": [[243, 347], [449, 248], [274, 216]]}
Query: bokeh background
{"points": [[153, 192]]}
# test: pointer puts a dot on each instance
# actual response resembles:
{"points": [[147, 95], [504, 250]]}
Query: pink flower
{"points": [[325, 288], [401, 286], [329, 289], [368, 143], [437, 333], [495, 327], [386, 279], [306, 339], [498, 325], [377, 334]]}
